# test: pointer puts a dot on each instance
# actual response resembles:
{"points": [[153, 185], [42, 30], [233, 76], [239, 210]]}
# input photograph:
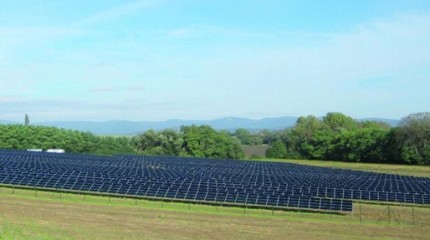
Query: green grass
{"points": [[179, 206], [29, 229], [143, 203]]}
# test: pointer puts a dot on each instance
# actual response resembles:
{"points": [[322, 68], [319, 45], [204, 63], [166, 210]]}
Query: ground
{"points": [[255, 151], [27, 214]]}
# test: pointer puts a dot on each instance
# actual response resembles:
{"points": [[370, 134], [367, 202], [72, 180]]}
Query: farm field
{"points": [[255, 151], [26, 214]]}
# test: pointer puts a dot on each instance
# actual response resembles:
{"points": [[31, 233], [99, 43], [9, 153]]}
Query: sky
{"points": [[153, 60]]}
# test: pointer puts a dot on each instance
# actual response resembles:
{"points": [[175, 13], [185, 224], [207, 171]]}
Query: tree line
{"points": [[332, 137], [340, 137], [38, 137], [195, 141]]}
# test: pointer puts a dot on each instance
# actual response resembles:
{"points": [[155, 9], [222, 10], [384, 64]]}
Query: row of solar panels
{"points": [[170, 190], [220, 197], [22, 177], [278, 181], [230, 181]]}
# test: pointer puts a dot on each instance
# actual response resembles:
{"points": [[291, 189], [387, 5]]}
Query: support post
{"points": [[361, 218], [389, 215]]}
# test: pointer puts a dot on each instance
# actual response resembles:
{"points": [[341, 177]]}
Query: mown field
{"points": [[30, 214]]}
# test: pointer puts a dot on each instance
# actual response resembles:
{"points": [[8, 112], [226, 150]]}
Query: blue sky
{"points": [[191, 59]]}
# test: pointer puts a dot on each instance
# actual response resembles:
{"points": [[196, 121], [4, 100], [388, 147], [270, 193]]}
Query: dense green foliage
{"points": [[196, 141], [277, 150], [411, 141], [166, 142], [334, 137], [247, 138], [35, 137], [339, 137]]}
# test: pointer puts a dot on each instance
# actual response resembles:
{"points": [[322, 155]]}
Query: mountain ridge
{"points": [[123, 127]]}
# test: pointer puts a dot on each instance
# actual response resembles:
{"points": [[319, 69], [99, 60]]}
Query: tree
{"points": [[276, 150], [204, 141], [339, 121], [320, 146], [26, 120], [146, 141], [413, 137], [267, 136], [25, 137], [302, 138], [247, 138], [361, 145], [374, 124], [196, 141]]}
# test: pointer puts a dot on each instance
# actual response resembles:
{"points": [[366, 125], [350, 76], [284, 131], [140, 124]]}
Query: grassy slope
{"points": [[69, 216]]}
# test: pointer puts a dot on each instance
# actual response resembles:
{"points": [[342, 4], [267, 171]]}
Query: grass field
{"points": [[27, 214]]}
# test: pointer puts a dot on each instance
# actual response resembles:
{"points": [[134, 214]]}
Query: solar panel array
{"points": [[268, 184]]}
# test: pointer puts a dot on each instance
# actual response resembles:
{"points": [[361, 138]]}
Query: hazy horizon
{"points": [[156, 60], [179, 119]]}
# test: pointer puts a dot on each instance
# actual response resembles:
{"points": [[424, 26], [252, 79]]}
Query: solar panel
{"points": [[269, 184]]}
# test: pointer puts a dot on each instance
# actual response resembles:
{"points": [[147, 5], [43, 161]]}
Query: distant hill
{"points": [[391, 122], [133, 128], [7, 122]]}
